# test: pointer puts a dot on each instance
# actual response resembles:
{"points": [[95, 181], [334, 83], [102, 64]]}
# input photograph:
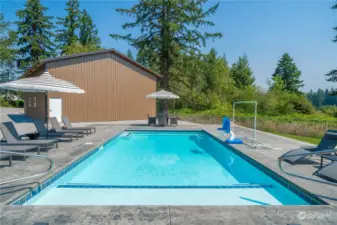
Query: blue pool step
{"points": [[236, 186]]}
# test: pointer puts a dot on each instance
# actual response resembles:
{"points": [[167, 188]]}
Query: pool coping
{"points": [[296, 189]]}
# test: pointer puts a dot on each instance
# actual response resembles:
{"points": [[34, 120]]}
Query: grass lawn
{"points": [[310, 140]]}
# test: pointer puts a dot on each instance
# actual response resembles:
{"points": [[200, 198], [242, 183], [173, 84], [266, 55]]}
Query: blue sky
{"points": [[263, 30]]}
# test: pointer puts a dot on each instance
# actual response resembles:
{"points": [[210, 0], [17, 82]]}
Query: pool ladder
{"points": [[51, 163]]}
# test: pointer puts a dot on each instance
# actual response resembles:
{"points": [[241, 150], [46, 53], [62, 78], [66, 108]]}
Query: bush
{"points": [[19, 103], [331, 110]]}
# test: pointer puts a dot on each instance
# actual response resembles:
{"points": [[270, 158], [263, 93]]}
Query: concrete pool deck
{"points": [[68, 152]]}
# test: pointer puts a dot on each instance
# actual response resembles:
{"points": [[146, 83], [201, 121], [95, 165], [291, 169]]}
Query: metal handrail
{"points": [[51, 163], [322, 152]]}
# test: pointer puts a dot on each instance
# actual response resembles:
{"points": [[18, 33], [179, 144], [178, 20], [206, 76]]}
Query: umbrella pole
{"points": [[47, 113]]}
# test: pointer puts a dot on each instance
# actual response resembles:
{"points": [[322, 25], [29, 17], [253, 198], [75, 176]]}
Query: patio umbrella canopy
{"points": [[162, 95], [44, 83]]}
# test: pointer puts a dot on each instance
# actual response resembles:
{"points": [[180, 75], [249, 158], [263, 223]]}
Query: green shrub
{"points": [[331, 110], [19, 103]]}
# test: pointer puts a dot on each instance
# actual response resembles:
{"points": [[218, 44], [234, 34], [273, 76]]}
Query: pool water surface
{"points": [[165, 168]]}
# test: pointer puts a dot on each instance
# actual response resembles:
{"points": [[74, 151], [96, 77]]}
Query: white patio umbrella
{"points": [[43, 83], [162, 95]]}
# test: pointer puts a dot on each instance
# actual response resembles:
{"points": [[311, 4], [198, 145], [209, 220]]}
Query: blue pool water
{"points": [[165, 168]]}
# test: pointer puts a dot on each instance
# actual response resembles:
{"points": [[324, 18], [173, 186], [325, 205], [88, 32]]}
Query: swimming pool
{"points": [[163, 168]]}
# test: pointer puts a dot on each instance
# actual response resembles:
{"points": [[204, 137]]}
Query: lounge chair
{"points": [[7, 155], [328, 172], [16, 148], [151, 120], [19, 148], [68, 126], [40, 127], [58, 129], [328, 143], [12, 137]]}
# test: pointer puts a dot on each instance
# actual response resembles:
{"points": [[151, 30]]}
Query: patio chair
{"points": [[173, 121], [162, 120], [151, 120], [328, 143], [41, 128], [58, 129], [328, 172], [68, 126], [12, 137]]}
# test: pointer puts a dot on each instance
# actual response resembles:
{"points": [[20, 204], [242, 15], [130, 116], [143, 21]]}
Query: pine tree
{"points": [[290, 74], [332, 75], [88, 32], [168, 28], [242, 73], [335, 28], [35, 36], [68, 34], [7, 42], [129, 54], [7, 51]]}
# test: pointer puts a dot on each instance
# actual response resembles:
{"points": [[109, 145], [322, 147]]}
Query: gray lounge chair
{"points": [[328, 172], [41, 128], [58, 129], [68, 126], [19, 148], [12, 137], [328, 143], [16, 148], [7, 155]]}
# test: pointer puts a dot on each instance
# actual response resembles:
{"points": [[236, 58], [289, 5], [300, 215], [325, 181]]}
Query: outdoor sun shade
{"points": [[43, 83], [162, 95]]}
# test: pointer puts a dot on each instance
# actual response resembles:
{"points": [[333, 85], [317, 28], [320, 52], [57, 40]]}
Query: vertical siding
{"points": [[37, 112], [115, 89]]}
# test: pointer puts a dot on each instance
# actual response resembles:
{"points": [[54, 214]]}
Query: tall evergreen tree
{"points": [[35, 36], [129, 54], [332, 75], [88, 32], [287, 70], [335, 28], [7, 42], [216, 71], [68, 34], [7, 50], [242, 73], [168, 28]]}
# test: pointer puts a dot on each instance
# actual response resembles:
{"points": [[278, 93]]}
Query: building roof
{"points": [[113, 51]]}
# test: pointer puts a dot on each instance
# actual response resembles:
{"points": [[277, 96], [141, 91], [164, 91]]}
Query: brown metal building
{"points": [[115, 88]]}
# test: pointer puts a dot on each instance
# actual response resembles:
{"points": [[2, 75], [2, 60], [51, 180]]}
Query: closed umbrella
{"points": [[43, 83]]}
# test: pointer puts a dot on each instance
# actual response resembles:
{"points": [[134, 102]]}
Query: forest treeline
{"points": [[170, 43]]}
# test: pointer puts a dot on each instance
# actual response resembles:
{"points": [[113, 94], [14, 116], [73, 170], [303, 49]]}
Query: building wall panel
{"points": [[115, 89]]}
